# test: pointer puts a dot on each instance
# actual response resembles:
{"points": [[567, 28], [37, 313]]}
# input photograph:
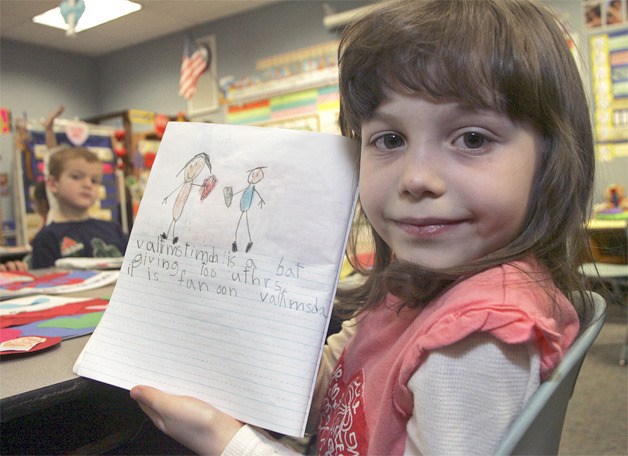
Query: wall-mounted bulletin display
{"points": [[296, 90], [609, 67], [314, 109]]}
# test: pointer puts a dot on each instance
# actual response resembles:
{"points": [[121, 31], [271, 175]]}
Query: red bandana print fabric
{"points": [[342, 429]]}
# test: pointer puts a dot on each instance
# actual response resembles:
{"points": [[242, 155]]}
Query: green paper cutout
{"points": [[89, 320]]}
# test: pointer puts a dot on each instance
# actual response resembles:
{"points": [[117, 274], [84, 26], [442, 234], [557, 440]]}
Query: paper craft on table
{"points": [[14, 277], [34, 303], [20, 312], [89, 263], [35, 322], [227, 284], [65, 327], [11, 343], [59, 282]]}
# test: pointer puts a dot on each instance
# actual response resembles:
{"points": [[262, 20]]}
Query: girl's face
{"points": [[78, 185], [444, 184]]}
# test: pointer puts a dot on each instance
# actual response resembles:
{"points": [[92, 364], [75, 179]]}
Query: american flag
{"points": [[194, 63]]}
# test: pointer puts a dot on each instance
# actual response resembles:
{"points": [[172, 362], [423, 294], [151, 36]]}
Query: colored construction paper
{"points": [[59, 282]]}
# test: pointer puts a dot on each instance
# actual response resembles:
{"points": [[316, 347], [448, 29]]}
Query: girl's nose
{"points": [[422, 176]]}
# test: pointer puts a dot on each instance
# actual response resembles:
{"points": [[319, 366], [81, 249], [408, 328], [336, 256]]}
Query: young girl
{"points": [[475, 177]]}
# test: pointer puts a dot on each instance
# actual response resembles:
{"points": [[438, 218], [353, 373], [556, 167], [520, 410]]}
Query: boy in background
{"points": [[74, 177]]}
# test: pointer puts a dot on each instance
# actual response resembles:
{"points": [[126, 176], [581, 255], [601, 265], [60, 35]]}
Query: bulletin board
{"points": [[609, 66], [295, 90], [313, 109]]}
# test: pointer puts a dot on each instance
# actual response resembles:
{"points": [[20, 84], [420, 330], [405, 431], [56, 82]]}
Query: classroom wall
{"points": [[240, 40], [34, 80]]}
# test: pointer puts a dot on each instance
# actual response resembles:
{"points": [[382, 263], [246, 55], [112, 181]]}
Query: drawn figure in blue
{"points": [[246, 201], [191, 170]]}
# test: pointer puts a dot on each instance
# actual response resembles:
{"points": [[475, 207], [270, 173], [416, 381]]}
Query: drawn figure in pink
{"points": [[191, 170], [246, 201]]}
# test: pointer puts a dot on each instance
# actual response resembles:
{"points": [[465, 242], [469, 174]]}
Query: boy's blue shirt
{"points": [[91, 238]]}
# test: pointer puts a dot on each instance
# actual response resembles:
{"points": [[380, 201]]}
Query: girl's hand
{"points": [[197, 425]]}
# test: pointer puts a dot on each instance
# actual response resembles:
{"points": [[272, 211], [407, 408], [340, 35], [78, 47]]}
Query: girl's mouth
{"points": [[428, 228]]}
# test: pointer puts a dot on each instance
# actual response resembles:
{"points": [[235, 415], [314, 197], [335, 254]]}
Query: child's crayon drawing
{"points": [[246, 201], [191, 171]]}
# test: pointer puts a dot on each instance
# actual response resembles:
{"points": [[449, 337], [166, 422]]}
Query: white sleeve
{"points": [[250, 441], [466, 395]]}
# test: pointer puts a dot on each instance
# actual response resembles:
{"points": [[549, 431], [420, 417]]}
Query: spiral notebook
{"points": [[226, 288]]}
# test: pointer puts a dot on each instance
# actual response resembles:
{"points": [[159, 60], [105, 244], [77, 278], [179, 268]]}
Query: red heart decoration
{"points": [[208, 186]]}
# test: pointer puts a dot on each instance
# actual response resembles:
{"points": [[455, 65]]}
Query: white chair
{"points": [[537, 430]]}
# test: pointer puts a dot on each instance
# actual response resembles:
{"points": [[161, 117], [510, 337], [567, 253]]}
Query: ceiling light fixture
{"points": [[97, 12]]}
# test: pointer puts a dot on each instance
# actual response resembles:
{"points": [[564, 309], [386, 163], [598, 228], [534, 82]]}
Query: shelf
{"points": [[289, 84]]}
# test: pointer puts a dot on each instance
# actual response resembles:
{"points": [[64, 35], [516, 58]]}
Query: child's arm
{"points": [[466, 395], [51, 138]]}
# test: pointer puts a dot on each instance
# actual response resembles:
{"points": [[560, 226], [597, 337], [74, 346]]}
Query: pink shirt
{"points": [[368, 402]]}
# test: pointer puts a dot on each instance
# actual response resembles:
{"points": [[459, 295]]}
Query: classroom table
{"points": [[52, 369], [47, 409]]}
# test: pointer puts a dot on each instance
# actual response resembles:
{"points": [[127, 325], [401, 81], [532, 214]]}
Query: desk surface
{"points": [[23, 375], [46, 409]]}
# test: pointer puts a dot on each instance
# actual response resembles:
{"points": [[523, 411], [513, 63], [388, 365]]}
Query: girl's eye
{"points": [[473, 140], [389, 141]]}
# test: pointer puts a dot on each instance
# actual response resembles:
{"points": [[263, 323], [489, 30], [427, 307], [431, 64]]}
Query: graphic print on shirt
{"points": [[255, 175], [191, 171], [342, 428], [100, 249], [70, 247]]}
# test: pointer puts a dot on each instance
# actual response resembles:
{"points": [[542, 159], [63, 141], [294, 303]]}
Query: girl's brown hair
{"points": [[510, 56]]}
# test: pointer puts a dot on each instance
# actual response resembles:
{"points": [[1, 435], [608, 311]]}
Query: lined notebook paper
{"points": [[226, 288]]}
